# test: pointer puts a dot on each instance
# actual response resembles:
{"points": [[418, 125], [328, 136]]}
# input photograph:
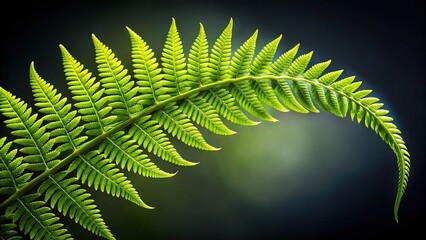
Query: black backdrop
{"points": [[382, 42]]}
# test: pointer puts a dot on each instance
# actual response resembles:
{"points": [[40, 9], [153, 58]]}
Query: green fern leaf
{"points": [[113, 121]]}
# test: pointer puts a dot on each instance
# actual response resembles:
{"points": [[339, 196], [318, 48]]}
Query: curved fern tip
{"points": [[149, 207], [212, 148], [395, 211], [272, 119]]}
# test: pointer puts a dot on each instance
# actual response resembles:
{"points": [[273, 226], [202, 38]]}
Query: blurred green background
{"points": [[311, 176]]}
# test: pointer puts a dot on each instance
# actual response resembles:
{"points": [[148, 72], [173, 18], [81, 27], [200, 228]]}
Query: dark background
{"points": [[305, 177]]}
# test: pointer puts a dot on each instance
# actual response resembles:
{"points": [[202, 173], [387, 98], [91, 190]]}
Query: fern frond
{"points": [[115, 120]]}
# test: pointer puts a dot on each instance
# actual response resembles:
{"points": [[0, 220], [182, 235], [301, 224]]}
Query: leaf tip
{"points": [[201, 27], [63, 49], [231, 22], [32, 65], [95, 39]]}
